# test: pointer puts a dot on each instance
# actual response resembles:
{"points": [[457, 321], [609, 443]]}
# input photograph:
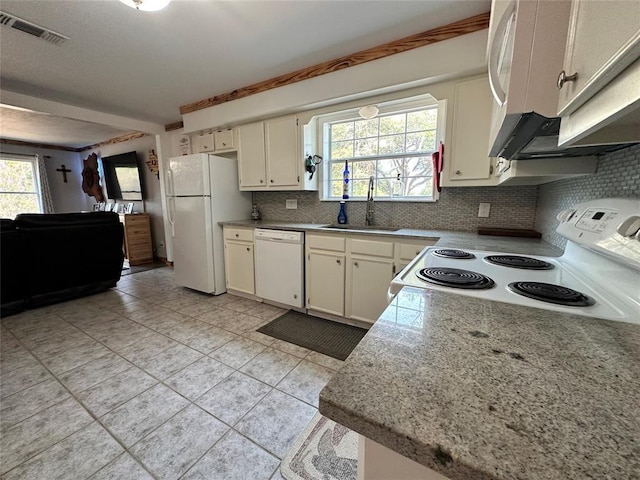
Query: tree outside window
{"points": [[395, 148], [19, 187]]}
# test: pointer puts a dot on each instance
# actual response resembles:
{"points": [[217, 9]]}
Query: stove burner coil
{"points": [[455, 277], [550, 293], [515, 261], [451, 253]]}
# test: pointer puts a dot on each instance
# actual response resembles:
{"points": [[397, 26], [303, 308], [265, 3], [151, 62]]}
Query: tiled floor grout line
{"points": [[73, 396], [243, 335]]}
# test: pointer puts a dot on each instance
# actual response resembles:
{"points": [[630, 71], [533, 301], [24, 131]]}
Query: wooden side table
{"points": [[137, 238]]}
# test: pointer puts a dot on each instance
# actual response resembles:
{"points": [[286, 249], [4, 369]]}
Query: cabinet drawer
{"points": [[131, 220], [408, 251], [372, 247], [142, 230], [321, 242], [245, 234]]}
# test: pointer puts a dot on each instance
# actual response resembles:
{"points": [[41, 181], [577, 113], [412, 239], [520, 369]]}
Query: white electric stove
{"points": [[597, 276]]}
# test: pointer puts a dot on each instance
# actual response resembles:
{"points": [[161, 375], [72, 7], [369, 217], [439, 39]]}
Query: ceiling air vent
{"points": [[32, 29]]}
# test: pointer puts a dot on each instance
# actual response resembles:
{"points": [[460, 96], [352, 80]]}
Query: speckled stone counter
{"points": [[476, 389], [469, 240]]}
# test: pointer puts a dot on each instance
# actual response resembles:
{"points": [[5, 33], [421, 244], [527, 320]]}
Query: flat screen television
{"points": [[122, 176]]}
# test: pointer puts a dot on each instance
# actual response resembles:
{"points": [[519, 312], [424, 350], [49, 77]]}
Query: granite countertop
{"points": [[445, 238], [476, 389]]}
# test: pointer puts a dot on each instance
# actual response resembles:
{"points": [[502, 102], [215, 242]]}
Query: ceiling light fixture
{"points": [[146, 5], [368, 111]]}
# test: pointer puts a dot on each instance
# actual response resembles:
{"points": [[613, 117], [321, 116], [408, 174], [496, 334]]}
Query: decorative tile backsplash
{"points": [[618, 176], [457, 209]]}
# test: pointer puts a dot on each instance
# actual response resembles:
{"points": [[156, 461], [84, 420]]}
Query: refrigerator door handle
{"points": [[172, 203], [170, 189]]}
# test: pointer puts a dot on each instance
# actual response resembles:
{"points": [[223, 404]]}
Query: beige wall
{"points": [[67, 197], [152, 203]]}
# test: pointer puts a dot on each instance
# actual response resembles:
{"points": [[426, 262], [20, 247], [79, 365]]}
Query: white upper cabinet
{"points": [[271, 155], [252, 168], [282, 151], [466, 160], [600, 97], [211, 142]]}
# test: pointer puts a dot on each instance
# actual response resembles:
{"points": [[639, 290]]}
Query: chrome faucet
{"points": [[368, 220]]}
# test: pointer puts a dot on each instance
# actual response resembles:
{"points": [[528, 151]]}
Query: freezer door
{"points": [[189, 175], [193, 243]]}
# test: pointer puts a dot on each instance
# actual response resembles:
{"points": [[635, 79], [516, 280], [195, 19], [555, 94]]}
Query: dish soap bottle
{"points": [[342, 215], [398, 188]]}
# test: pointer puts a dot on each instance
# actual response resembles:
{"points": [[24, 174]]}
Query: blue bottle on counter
{"points": [[342, 215]]}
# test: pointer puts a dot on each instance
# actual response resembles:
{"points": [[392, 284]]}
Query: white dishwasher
{"points": [[280, 266]]}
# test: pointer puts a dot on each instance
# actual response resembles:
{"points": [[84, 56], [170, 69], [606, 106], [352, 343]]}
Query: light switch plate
{"points": [[291, 204], [484, 209]]}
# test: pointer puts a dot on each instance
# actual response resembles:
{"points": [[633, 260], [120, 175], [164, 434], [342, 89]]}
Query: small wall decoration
{"points": [[185, 145], [152, 163], [91, 178], [64, 170]]}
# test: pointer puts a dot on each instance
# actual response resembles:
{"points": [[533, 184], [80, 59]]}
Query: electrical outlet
{"points": [[291, 204], [484, 209]]}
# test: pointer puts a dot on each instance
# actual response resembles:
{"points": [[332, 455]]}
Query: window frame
{"points": [[403, 105], [35, 168]]}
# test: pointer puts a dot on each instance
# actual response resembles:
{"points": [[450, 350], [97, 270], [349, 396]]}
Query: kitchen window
{"points": [[394, 147], [19, 186]]}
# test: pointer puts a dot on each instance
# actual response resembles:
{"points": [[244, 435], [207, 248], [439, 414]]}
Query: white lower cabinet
{"points": [[348, 276], [368, 280], [239, 260], [325, 281]]}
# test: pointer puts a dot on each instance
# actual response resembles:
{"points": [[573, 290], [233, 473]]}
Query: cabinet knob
{"points": [[271, 181], [338, 261], [237, 235], [355, 264], [458, 172], [248, 249], [564, 78], [261, 181]]}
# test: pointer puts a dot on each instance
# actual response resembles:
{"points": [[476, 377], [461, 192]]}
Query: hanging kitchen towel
{"points": [[438, 163]]}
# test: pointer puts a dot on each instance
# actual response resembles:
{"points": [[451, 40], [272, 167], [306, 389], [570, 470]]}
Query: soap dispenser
{"points": [[397, 190]]}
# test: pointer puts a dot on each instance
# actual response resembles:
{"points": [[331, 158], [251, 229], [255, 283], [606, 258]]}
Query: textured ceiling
{"points": [[144, 65]]}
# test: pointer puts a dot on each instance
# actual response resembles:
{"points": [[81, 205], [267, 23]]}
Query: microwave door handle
{"points": [[501, 30]]}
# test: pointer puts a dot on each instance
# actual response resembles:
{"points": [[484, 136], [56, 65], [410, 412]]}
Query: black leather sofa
{"points": [[50, 258]]}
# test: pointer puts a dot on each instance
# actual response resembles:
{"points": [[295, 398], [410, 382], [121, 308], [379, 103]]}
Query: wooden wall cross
{"points": [[64, 171]]}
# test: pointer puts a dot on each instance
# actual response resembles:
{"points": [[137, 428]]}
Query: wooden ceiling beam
{"points": [[173, 126], [446, 32], [111, 141]]}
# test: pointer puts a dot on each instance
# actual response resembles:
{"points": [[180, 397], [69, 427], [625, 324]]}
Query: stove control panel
{"points": [[610, 226]]}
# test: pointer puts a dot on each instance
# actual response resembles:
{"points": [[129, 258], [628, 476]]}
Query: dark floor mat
{"points": [[324, 336]]}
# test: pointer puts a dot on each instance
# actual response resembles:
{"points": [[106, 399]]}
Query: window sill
{"points": [[382, 200]]}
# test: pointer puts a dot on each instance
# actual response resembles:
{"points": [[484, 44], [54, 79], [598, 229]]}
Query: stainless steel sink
{"points": [[362, 227]]}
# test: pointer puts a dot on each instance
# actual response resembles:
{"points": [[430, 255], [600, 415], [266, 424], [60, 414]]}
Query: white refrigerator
{"points": [[202, 190]]}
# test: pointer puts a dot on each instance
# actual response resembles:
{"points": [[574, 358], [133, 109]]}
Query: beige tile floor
{"points": [[150, 380]]}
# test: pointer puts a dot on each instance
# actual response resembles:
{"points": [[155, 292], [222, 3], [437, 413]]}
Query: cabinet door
{"points": [[282, 151], [468, 159], [239, 265], [369, 280], [251, 155], [604, 39], [204, 143], [325, 282], [223, 139]]}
